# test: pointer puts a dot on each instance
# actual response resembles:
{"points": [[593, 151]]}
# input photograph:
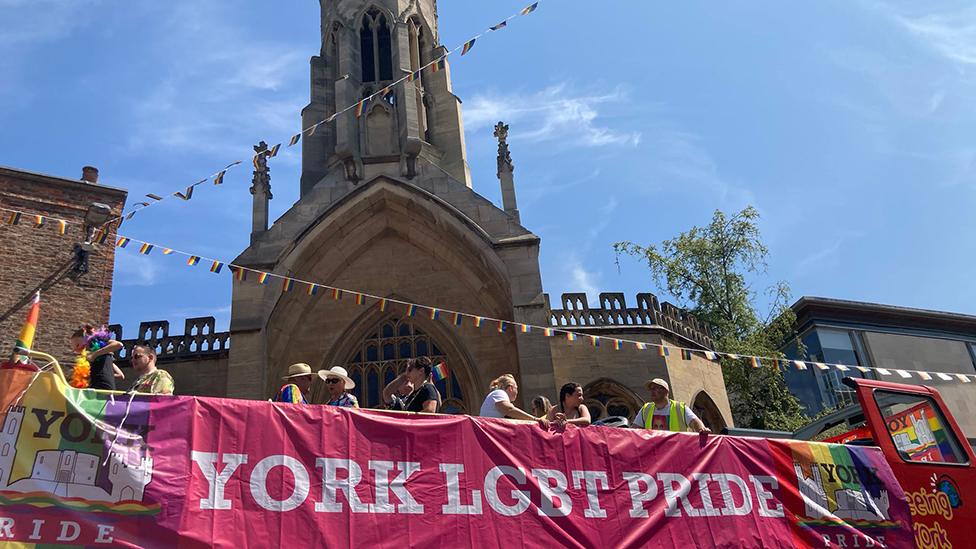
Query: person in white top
{"points": [[498, 403]]}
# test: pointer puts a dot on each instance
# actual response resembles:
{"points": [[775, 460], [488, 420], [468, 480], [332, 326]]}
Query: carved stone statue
{"points": [[504, 156]]}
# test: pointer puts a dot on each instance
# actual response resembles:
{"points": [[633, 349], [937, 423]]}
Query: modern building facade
{"points": [[882, 336]]}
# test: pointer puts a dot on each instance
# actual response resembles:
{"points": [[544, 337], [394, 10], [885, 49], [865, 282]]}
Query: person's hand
{"points": [[119, 374], [544, 423], [559, 419], [704, 431]]}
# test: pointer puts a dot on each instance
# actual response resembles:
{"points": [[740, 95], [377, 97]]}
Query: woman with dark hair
{"points": [[424, 398], [571, 406], [95, 366]]}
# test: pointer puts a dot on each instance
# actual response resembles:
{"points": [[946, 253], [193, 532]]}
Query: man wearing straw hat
{"points": [[338, 384], [665, 414], [297, 382]]}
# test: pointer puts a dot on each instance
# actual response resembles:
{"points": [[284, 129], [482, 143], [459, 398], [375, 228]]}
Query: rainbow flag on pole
{"points": [[440, 372], [26, 338]]}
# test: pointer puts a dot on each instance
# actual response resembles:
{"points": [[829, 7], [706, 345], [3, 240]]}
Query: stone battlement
{"points": [[199, 339], [613, 311]]}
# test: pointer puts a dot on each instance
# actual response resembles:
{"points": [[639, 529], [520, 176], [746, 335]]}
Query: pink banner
{"points": [[194, 472]]}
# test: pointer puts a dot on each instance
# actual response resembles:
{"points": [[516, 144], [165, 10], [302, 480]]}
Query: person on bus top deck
{"points": [[424, 397], [297, 383], [498, 403], [98, 347], [151, 379], [571, 406], [665, 414], [540, 406], [338, 384]]}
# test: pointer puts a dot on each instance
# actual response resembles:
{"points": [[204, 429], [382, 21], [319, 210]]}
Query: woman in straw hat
{"points": [[338, 384], [297, 382]]}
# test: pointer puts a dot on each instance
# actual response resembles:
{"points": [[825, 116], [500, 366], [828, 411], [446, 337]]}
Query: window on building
{"points": [[918, 429], [383, 354], [375, 47], [836, 347]]}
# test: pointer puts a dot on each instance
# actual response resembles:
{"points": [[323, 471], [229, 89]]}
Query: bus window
{"points": [[918, 428]]}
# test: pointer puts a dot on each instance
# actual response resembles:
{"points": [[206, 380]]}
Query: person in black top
{"points": [[98, 348], [424, 398]]}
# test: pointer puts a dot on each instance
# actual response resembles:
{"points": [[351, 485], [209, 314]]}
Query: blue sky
{"points": [[848, 124]]}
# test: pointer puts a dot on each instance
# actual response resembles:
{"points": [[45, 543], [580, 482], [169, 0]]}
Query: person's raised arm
{"points": [[392, 387], [109, 348], [430, 406]]}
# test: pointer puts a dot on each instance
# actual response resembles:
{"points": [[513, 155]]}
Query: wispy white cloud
{"points": [[555, 113], [952, 33], [134, 270], [583, 280]]}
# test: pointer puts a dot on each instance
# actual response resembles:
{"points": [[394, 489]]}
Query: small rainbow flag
{"points": [[361, 107], [640, 346], [570, 336], [186, 195], [800, 365], [336, 294], [478, 321], [216, 266], [595, 341], [413, 76], [263, 278], [220, 177], [440, 65], [547, 332], [925, 376], [616, 344], [529, 9], [312, 289], [167, 251], [710, 355], [499, 26], [193, 260], [383, 303], [273, 151], [38, 221], [294, 139], [360, 299], [287, 285], [754, 362], [525, 328], [467, 46], [822, 366], [457, 318], [732, 356], [411, 310], [663, 351], [123, 242], [155, 197], [440, 372], [502, 326], [685, 354], [145, 248], [434, 314], [62, 226], [240, 273]]}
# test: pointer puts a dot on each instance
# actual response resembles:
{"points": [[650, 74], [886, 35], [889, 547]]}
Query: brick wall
{"points": [[31, 254]]}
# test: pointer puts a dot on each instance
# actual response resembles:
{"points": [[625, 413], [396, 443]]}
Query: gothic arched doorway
{"points": [[383, 353], [705, 408], [605, 397]]}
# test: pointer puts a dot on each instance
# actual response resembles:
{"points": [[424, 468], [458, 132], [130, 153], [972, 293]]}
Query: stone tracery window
{"points": [[605, 397], [376, 53], [383, 354]]}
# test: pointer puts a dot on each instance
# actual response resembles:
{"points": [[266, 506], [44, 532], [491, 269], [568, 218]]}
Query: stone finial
{"points": [[261, 190], [504, 156]]}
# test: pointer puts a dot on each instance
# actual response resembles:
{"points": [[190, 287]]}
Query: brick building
{"points": [[39, 257]]}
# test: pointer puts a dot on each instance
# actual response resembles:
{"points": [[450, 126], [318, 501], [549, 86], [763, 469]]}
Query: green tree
{"points": [[708, 269]]}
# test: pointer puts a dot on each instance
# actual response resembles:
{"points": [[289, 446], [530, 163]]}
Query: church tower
{"points": [[366, 46]]}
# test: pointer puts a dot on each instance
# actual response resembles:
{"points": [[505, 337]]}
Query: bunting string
{"points": [[437, 64], [19, 217], [458, 318]]}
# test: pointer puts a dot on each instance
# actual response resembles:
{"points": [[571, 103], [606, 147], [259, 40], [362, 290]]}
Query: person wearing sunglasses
{"points": [[338, 384], [424, 398]]}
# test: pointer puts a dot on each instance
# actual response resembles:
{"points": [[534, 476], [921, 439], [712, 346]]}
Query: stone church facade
{"points": [[387, 208]]}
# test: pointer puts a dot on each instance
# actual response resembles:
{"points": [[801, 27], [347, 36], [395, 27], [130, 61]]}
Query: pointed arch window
{"points": [[375, 47], [383, 354]]}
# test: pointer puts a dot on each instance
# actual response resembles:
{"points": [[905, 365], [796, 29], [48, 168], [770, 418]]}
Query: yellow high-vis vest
{"points": [[676, 416]]}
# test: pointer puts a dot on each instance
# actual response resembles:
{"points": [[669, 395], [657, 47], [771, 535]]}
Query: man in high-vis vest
{"points": [[665, 414]]}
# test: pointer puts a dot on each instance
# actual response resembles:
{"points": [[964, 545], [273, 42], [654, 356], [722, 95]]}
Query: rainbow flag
{"points": [[273, 151], [383, 304], [595, 341], [122, 243], [294, 139], [263, 278], [502, 326], [62, 226], [616, 345], [435, 314], [313, 289], [220, 177], [457, 318], [529, 9], [663, 351], [193, 260], [38, 221], [287, 285], [467, 46], [26, 338], [336, 294], [640, 346], [167, 251], [360, 299], [440, 65], [685, 354], [240, 273], [216, 266], [570, 336], [145, 248], [547, 332], [440, 372], [361, 107], [290, 394], [14, 218], [411, 310], [710, 355], [754, 362], [478, 321], [499, 26]]}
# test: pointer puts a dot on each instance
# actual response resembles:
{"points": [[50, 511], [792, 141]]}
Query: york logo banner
{"points": [[197, 472]]}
